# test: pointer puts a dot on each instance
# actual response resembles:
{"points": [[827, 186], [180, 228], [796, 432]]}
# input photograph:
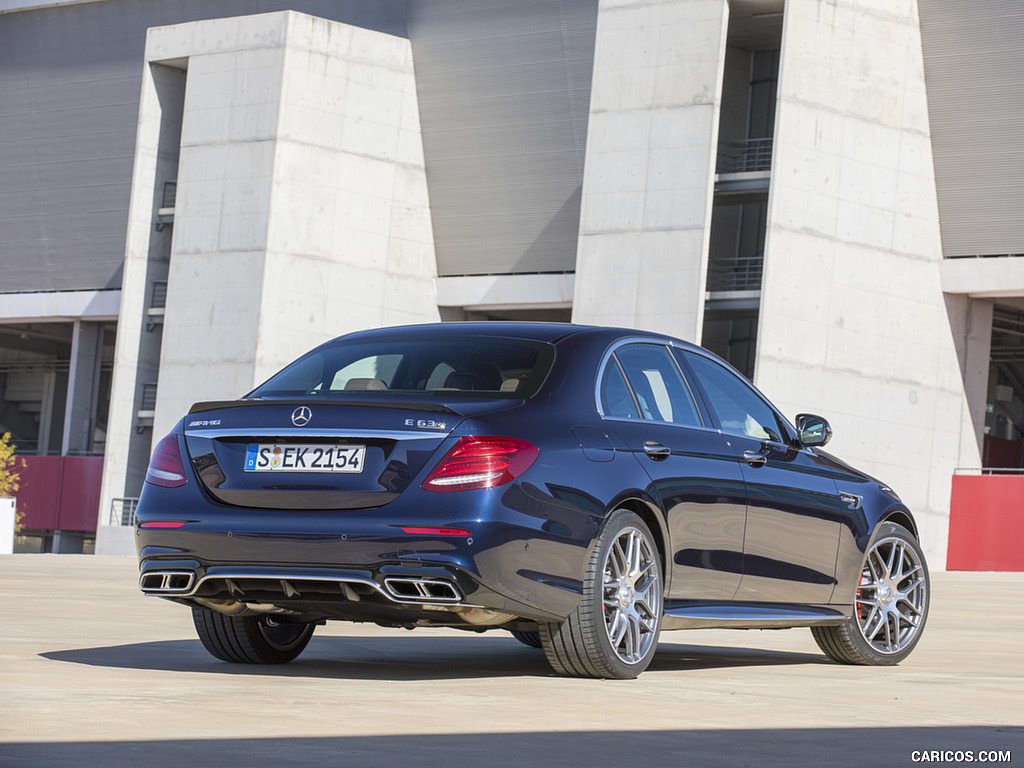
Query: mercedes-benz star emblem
{"points": [[301, 416]]}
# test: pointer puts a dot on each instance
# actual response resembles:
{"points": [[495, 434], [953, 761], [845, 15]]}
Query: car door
{"points": [[793, 505], [648, 405]]}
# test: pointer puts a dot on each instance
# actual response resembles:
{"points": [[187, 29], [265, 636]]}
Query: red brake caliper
{"points": [[865, 578]]}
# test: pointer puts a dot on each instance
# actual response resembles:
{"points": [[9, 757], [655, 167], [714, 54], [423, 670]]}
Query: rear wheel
{"points": [[890, 605], [250, 639], [613, 633], [531, 639]]}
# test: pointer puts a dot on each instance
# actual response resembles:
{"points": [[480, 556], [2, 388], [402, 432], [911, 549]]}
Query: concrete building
{"points": [[825, 192]]}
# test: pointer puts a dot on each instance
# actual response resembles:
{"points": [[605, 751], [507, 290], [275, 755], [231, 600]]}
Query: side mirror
{"points": [[814, 430]]}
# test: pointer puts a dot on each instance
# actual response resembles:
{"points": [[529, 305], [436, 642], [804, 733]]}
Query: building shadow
{"points": [[717, 748]]}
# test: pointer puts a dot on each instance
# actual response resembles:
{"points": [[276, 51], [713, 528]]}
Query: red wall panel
{"points": [[986, 523], [80, 493], [38, 496], [60, 492]]}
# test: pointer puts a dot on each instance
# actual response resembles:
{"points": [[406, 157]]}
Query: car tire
{"points": [[250, 639], [531, 639], [890, 606], [613, 633]]}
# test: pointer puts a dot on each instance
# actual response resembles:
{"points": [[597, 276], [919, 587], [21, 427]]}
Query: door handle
{"points": [[755, 459], [657, 451]]}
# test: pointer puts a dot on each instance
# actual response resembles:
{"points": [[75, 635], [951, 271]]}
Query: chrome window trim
{"points": [[664, 344], [664, 424]]}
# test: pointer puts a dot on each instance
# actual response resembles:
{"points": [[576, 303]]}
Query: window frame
{"points": [[611, 358], [788, 436]]}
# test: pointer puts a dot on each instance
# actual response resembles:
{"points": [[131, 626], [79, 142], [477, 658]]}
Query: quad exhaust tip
{"points": [[167, 582], [400, 589], [422, 590]]}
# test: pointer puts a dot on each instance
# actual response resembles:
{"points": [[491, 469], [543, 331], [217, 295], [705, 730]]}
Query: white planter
{"points": [[6, 526]]}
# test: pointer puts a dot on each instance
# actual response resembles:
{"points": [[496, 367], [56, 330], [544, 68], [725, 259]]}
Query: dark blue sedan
{"points": [[583, 488]]}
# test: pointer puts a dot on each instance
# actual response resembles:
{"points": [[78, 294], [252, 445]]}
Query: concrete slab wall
{"points": [[302, 210], [974, 64], [649, 175], [504, 93], [69, 87], [853, 322], [225, 177], [136, 356], [349, 242]]}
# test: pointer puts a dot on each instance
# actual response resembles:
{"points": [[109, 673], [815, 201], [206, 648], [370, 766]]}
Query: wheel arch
{"points": [[901, 517], [653, 520]]}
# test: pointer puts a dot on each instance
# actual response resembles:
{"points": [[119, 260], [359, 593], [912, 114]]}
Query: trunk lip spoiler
{"points": [[214, 405], [258, 432]]}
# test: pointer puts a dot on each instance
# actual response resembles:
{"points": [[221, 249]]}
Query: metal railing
{"points": [[157, 305], [745, 156], [988, 471], [739, 273], [168, 200], [170, 196], [159, 299], [148, 402], [122, 511]]}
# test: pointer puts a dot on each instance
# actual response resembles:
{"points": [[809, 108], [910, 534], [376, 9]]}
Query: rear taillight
{"points": [[481, 462], [166, 468]]}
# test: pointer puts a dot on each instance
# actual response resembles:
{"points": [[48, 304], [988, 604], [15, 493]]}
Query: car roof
{"points": [[552, 333]]}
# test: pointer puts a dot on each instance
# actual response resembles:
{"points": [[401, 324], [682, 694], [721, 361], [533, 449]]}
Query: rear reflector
{"points": [[481, 462], [436, 531], [166, 468], [162, 524]]}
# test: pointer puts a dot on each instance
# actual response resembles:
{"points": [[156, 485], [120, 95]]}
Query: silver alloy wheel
{"points": [[892, 597], [631, 595]]}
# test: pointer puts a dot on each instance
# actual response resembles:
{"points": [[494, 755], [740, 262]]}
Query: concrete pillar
{"points": [[302, 200], [67, 543], [147, 250], [650, 163], [853, 322], [83, 378], [970, 320], [302, 210], [46, 415]]}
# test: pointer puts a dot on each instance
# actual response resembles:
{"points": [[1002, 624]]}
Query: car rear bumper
{"points": [[354, 566]]}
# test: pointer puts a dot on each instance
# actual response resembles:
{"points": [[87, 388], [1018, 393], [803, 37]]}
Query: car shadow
{"points": [[408, 658]]}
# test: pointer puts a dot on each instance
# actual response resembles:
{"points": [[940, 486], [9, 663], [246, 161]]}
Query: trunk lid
{"points": [[291, 454]]}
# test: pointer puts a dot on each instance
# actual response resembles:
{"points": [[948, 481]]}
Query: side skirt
{"points": [[693, 615]]}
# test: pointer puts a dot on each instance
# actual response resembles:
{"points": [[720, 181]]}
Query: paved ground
{"points": [[94, 674]]}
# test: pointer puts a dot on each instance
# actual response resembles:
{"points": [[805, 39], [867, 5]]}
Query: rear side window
{"points": [[616, 399], [739, 408], [472, 366], [656, 389]]}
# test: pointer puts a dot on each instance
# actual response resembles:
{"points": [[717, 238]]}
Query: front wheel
{"points": [[250, 639], [890, 605], [613, 633]]}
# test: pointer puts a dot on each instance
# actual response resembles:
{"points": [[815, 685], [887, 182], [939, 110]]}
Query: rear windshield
{"points": [[472, 367]]}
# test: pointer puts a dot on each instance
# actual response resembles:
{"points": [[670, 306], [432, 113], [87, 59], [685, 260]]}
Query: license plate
{"points": [[304, 458]]}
